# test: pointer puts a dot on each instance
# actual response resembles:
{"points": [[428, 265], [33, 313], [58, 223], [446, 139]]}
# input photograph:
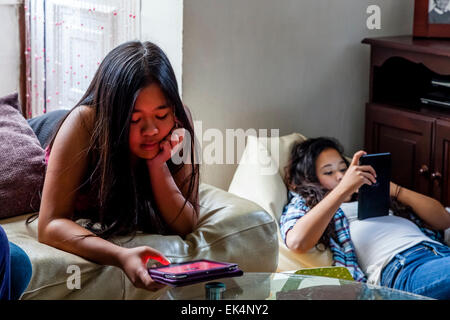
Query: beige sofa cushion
{"points": [[259, 178], [230, 229]]}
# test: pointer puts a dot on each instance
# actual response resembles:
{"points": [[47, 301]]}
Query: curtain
{"points": [[65, 42]]}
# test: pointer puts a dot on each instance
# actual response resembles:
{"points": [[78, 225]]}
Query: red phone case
{"points": [[180, 274]]}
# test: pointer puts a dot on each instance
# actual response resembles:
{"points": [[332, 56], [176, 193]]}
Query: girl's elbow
{"points": [[184, 230], [44, 232], [447, 219], [302, 248], [191, 224], [297, 244], [444, 223], [42, 236]]}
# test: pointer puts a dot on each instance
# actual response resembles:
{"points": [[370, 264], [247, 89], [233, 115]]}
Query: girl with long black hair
{"points": [[109, 163], [403, 250]]}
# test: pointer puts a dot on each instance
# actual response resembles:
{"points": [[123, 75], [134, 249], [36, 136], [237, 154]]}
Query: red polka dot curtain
{"points": [[65, 42]]}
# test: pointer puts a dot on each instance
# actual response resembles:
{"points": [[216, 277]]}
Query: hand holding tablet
{"points": [[374, 199]]}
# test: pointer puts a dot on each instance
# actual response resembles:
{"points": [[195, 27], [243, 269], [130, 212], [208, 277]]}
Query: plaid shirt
{"points": [[343, 250]]}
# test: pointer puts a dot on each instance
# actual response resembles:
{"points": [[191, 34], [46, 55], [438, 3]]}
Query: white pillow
{"points": [[260, 174], [257, 179]]}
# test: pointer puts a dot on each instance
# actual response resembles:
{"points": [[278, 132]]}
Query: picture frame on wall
{"points": [[432, 18]]}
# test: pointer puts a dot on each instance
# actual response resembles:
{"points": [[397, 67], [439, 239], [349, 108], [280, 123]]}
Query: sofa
{"points": [[259, 177], [230, 229]]}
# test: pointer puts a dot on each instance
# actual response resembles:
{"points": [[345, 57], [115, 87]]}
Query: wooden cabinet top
{"points": [[440, 47], [433, 53]]}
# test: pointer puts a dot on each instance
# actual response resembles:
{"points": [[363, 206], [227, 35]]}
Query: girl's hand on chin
{"points": [[169, 146]]}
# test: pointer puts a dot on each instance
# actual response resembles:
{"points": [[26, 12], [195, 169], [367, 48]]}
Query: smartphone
{"points": [[180, 274], [374, 200]]}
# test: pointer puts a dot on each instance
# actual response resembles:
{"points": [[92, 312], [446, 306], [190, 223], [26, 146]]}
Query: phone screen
{"points": [[195, 266]]}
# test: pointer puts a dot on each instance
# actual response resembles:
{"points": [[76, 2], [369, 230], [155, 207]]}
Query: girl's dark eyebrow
{"points": [[158, 108], [329, 165]]}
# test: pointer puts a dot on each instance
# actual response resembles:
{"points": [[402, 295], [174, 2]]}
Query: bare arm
{"points": [[181, 177], [171, 192], [308, 230], [66, 168], [170, 200], [428, 209]]}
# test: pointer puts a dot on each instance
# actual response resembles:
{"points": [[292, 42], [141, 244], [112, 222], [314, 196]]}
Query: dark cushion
{"points": [[44, 125], [22, 162]]}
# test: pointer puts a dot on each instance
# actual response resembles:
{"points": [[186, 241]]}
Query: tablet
{"points": [[374, 200], [180, 274]]}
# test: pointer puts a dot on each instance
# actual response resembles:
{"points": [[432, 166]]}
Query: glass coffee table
{"points": [[288, 286]]}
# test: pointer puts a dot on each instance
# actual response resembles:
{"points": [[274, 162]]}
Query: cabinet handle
{"points": [[436, 176], [424, 170]]}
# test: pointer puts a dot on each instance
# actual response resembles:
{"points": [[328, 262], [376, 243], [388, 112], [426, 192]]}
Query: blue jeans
{"points": [[422, 269], [15, 269]]}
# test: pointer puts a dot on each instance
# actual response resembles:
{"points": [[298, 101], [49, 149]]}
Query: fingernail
{"points": [[161, 260]]}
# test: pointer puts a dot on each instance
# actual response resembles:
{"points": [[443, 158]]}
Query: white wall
{"points": [[296, 65], [162, 23], [10, 48]]}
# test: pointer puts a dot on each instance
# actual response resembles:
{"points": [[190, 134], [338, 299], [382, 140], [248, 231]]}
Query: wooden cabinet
{"points": [[408, 137], [417, 135], [440, 177]]}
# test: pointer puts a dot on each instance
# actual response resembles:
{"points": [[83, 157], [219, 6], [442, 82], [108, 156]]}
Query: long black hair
{"points": [[301, 178], [122, 194]]}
